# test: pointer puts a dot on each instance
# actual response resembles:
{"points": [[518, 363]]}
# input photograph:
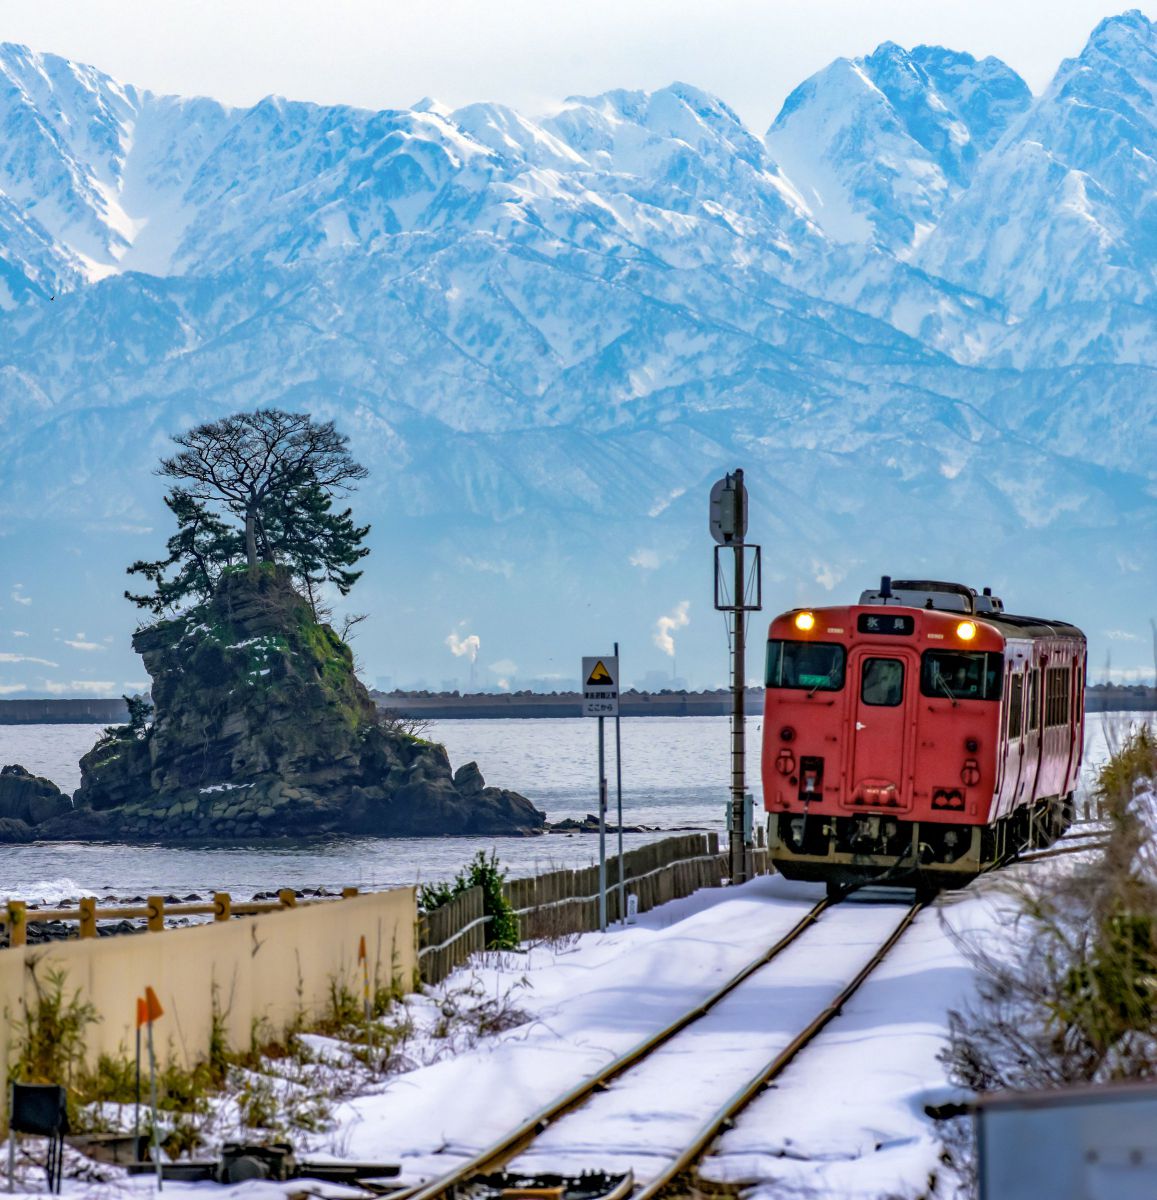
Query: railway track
{"points": [[1087, 842], [522, 1141], [682, 1165]]}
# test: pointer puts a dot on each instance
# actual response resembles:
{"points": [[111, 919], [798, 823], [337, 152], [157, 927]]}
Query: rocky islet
{"points": [[260, 729]]}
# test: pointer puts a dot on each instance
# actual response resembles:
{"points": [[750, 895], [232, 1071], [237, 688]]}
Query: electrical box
{"points": [[1083, 1143], [748, 816]]}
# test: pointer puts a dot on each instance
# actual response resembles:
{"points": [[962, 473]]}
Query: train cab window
{"points": [[962, 674], [1015, 705], [811, 666], [882, 682]]}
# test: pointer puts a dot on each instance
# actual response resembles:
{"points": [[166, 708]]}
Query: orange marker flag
{"points": [[142, 1012], [362, 949], [153, 1008]]}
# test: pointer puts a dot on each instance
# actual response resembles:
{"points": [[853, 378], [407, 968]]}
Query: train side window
{"points": [[962, 674], [882, 682], [1015, 706], [809, 666], [1057, 683], [1034, 699]]}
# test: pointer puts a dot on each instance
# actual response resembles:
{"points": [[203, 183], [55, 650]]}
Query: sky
{"points": [[382, 54]]}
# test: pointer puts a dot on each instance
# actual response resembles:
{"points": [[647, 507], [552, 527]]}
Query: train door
{"points": [[1076, 724], [1032, 730], [1014, 736], [1018, 774], [885, 682]]}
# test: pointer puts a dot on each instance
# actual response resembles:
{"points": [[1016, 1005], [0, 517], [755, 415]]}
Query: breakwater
{"points": [[447, 706], [63, 712], [441, 706]]}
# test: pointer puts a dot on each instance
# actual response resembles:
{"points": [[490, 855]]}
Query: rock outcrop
{"points": [[26, 801], [261, 729]]}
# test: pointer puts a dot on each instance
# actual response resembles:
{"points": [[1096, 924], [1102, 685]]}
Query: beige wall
{"points": [[269, 969]]}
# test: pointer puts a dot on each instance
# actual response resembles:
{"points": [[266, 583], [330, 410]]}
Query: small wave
{"points": [[48, 891]]}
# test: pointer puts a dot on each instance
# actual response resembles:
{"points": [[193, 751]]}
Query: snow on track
{"points": [[590, 1004], [846, 1119], [605, 997], [645, 1119]]}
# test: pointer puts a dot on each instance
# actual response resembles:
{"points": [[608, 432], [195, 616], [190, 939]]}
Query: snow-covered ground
{"points": [[847, 1119]]}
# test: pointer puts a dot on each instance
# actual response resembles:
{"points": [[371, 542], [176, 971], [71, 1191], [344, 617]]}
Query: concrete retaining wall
{"points": [[266, 971]]}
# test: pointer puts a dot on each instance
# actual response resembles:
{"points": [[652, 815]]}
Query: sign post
{"points": [[601, 699], [148, 1012], [727, 520], [619, 808]]}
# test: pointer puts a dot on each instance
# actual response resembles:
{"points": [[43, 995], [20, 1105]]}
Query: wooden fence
{"points": [[450, 934], [564, 902]]}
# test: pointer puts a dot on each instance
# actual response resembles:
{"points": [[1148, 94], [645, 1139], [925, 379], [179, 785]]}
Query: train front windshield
{"points": [[962, 674], [813, 666]]}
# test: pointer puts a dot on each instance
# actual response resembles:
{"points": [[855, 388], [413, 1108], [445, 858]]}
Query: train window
{"points": [[962, 674], [882, 682], [1034, 699], [813, 666], [1057, 681], [1015, 705]]}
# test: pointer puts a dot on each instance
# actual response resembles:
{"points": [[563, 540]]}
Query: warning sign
{"points": [[600, 676], [601, 686]]}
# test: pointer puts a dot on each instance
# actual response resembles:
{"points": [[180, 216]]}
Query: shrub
{"points": [[1069, 992], [484, 873]]}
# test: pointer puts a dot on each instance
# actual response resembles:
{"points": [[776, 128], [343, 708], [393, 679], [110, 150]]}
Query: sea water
{"points": [[676, 776]]}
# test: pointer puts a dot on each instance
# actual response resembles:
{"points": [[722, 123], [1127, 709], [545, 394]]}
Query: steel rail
{"points": [[1053, 851], [494, 1156], [752, 1088]]}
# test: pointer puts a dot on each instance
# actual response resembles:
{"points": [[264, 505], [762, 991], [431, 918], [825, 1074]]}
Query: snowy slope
{"points": [[546, 336], [1065, 208], [880, 145]]}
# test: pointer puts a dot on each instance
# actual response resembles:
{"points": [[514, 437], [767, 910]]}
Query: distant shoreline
{"points": [[442, 706]]}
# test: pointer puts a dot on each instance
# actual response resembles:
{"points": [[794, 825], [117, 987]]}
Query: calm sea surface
{"points": [[675, 776]]}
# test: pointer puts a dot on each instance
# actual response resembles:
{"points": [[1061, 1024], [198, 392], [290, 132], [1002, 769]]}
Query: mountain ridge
{"points": [[572, 323]]}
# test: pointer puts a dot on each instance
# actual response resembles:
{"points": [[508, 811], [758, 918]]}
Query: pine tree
{"points": [[200, 550], [260, 488]]}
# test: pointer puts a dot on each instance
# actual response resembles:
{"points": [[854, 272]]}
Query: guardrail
{"points": [[16, 916]]}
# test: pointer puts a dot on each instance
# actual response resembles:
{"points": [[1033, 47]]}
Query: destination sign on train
{"points": [[896, 623]]}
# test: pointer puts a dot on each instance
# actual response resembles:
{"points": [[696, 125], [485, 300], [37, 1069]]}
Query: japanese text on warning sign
{"points": [[601, 686]]}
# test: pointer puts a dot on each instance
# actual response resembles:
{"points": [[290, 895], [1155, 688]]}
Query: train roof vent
{"points": [[925, 593]]}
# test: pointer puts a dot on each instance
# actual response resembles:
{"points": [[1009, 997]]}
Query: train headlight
{"points": [[805, 622], [966, 631]]}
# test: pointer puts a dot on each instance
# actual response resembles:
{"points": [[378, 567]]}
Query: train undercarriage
{"points": [[847, 851]]}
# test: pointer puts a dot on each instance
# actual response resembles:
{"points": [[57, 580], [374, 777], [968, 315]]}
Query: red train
{"points": [[920, 736]]}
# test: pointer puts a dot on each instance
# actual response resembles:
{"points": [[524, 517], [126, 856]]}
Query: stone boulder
{"points": [[14, 830], [261, 729], [29, 799]]}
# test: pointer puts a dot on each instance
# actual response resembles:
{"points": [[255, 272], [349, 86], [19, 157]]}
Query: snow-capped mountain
{"points": [[547, 336], [1065, 209], [880, 145]]}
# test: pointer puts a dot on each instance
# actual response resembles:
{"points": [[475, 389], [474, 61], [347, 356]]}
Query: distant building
{"points": [[661, 681], [545, 684]]}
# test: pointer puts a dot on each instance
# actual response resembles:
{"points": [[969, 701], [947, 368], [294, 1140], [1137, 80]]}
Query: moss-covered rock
{"points": [[260, 724]]}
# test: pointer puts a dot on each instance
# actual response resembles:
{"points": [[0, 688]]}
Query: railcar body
{"points": [[921, 735]]}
